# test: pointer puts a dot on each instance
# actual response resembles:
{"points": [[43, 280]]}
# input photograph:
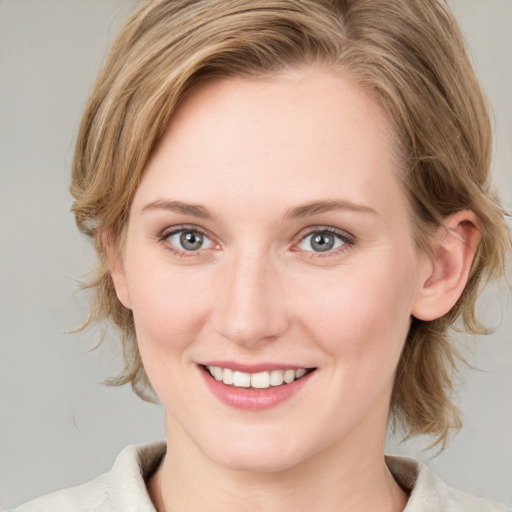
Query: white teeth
{"points": [[228, 376], [289, 376], [241, 380], [260, 380], [276, 377], [300, 373]]}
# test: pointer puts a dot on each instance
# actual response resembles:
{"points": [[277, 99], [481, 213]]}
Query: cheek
{"points": [[363, 311], [169, 311], [168, 306]]}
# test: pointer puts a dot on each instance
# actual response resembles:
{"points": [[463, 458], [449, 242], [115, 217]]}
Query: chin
{"points": [[259, 455], [260, 464]]}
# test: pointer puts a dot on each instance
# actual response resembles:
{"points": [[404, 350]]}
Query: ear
{"points": [[116, 268], [446, 273]]}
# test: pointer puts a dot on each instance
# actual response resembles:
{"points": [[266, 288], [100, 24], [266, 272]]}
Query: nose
{"points": [[251, 304]]}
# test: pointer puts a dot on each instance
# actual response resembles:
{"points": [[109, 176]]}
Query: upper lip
{"points": [[254, 368]]}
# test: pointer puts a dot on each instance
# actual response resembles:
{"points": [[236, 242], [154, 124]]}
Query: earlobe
{"points": [[448, 270], [116, 269]]}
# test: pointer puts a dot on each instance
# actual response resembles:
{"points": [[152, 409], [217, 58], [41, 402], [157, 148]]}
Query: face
{"points": [[269, 244]]}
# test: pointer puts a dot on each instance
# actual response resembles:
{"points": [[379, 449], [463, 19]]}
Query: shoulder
{"points": [[428, 493], [123, 488], [91, 496]]}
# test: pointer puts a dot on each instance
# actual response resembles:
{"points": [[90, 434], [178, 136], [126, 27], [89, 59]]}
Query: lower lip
{"points": [[251, 399]]}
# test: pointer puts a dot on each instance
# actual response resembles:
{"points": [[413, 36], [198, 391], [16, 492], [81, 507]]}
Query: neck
{"points": [[350, 475]]}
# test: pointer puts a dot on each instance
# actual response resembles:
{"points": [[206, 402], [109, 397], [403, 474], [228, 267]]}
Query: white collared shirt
{"points": [[123, 488]]}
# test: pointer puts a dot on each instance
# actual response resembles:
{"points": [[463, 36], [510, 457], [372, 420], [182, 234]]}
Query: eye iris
{"points": [[322, 242], [191, 241]]}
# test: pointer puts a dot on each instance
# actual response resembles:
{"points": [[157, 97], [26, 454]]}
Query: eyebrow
{"points": [[318, 207], [301, 211], [177, 206]]}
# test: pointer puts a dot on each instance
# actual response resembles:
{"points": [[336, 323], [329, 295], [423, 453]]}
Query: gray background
{"points": [[58, 425]]}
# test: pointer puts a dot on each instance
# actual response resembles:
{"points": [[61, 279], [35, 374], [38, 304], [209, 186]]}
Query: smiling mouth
{"points": [[259, 380]]}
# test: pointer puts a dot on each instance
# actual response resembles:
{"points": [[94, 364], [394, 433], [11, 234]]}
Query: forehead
{"points": [[292, 137]]}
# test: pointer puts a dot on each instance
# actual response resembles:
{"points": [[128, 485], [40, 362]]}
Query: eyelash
{"points": [[346, 238], [163, 237]]}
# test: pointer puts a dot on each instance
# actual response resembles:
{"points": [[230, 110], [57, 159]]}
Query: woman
{"points": [[290, 202]]}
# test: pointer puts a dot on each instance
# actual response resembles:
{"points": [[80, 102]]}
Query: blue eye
{"points": [[322, 241], [189, 240]]}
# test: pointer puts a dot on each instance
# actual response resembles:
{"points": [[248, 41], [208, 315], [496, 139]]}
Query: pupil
{"points": [[191, 241], [322, 242]]}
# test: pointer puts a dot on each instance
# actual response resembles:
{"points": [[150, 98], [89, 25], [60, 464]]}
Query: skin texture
{"points": [[249, 156]]}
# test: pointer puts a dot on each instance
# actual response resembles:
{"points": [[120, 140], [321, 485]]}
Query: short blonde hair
{"points": [[408, 53]]}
